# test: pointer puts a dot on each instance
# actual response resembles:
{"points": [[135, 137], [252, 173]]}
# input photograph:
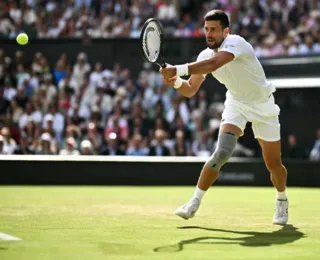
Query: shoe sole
{"points": [[184, 216], [279, 223]]}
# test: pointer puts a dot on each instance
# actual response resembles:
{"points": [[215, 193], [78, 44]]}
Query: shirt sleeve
{"points": [[236, 46], [203, 56]]}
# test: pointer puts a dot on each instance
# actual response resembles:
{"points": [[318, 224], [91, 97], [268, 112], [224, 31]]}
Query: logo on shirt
{"points": [[232, 46]]}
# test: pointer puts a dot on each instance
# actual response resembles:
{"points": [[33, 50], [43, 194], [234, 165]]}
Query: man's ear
{"points": [[226, 31]]}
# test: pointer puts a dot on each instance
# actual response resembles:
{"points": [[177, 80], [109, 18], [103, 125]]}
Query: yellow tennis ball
{"points": [[22, 39]]}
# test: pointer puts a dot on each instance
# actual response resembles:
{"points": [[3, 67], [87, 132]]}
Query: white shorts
{"points": [[264, 117]]}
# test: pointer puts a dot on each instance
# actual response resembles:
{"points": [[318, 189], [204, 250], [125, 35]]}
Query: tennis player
{"points": [[232, 61]]}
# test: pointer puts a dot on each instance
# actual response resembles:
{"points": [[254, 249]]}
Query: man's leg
{"points": [[272, 156], [225, 147], [227, 140]]}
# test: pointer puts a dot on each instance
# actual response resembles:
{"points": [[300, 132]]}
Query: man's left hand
{"points": [[168, 72]]}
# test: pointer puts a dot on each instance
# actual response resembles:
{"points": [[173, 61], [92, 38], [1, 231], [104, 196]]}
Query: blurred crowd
{"points": [[87, 109], [84, 109], [274, 27]]}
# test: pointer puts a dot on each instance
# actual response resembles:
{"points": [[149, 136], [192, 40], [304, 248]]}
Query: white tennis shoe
{"points": [[281, 215], [189, 209]]}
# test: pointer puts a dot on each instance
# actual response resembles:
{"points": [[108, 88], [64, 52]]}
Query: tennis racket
{"points": [[151, 40]]}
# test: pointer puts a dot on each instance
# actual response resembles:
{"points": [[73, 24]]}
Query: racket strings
{"points": [[152, 42]]}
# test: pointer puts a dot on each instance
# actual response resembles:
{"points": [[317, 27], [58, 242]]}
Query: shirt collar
{"points": [[223, 42]]}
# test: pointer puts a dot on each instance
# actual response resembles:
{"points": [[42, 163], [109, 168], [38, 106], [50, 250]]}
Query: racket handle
{"points": [[163, 64]]}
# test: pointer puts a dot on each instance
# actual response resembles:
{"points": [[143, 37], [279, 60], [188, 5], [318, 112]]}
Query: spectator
{"points": [[181, 147], [37, 65], [9, 144], [46, 145], [24, 146], [99, 99], [48, 125], [112, 147], [81, 68], [158, 148], [2, 145], [57, 122], [138, 126], [153, 79], [315, 152], [21, 98], [73, 131], [167, 13], [49, 90], [71, 147], [86, 148], [241, 151], [293, 150], [16, 112], [178, 109], [136, 147], [4, 104], [60, 72], [96, 77], [9, 91], [202, 146], [94, 136], [118, 125]]}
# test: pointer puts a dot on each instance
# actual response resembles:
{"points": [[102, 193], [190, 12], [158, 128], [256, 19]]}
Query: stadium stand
{"points": [[84, 108], [274, 27]]}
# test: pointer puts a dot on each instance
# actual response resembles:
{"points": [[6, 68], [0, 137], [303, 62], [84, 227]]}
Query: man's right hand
{"points": [[170, 82]]}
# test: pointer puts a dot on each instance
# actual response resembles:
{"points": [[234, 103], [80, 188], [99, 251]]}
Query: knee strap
{"points": [[226, 144]]}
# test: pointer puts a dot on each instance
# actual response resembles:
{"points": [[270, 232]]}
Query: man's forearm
{"points": [[199, 67], [202, 67], [186, 89]]}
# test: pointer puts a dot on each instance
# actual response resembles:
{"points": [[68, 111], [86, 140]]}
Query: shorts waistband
{"points": [[252, 102]]}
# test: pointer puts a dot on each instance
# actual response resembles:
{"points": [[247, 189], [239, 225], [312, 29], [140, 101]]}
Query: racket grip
{"points": [[163, 65]]}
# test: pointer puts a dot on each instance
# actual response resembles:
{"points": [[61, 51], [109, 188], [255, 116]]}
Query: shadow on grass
{"points": [[287, 234]]}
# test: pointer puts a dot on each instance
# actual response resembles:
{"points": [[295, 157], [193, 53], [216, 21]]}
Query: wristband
{"points": [[182, 70], [178, 83]]}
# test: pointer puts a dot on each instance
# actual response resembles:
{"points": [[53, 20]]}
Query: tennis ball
{"points": [[22, 39]]}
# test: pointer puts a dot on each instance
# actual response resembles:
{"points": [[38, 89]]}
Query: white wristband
{"points": [[182, 70], [178, 83]]}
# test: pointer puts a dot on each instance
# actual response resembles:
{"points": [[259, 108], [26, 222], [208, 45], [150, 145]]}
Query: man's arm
{"points": [[210, 65], [189, 87], [199, 67]]}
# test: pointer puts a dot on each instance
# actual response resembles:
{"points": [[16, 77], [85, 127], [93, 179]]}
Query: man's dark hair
{"points": [[218, 15]]}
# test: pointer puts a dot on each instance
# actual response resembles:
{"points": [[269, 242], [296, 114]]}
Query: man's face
{"points": [[214, 34]]}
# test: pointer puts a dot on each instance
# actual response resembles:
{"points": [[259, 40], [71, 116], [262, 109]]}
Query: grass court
{"points": [[89, 223]]}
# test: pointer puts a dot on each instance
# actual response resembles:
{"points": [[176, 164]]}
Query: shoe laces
{"points": [[281, 208], [190, 204]]}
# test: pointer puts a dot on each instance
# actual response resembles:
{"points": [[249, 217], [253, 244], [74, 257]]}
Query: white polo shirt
{"points": [[244, 76]]}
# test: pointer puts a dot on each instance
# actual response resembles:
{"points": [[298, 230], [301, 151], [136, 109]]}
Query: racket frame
{"points": [[160, 57]]}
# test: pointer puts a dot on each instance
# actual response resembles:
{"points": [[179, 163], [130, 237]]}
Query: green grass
{"points": [[91, 223]]}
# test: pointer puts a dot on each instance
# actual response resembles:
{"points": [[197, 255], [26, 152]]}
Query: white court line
{"points": [[7, 237], [103, 158]]}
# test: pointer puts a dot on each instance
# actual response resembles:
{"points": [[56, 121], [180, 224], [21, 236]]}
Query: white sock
{"points": [[282, 195], [198, 194]]}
